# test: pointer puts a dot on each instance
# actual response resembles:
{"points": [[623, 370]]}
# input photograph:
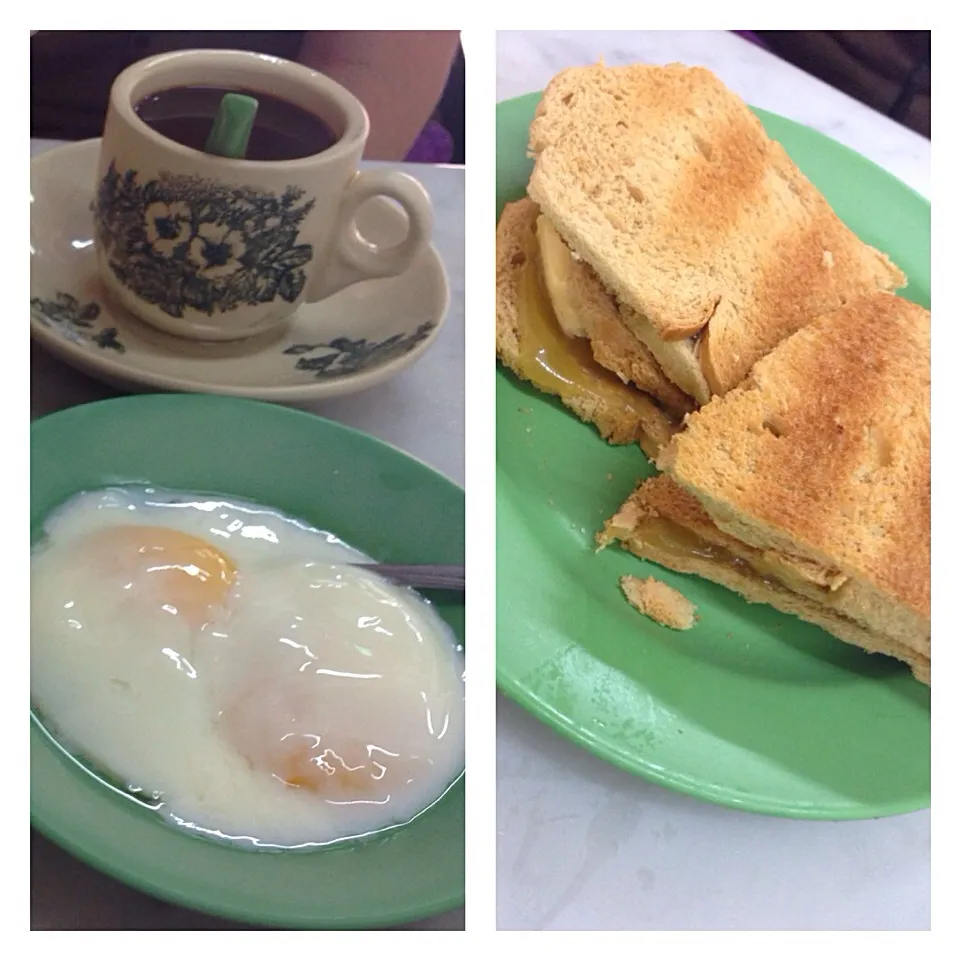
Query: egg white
{"points": [[306, 650]]}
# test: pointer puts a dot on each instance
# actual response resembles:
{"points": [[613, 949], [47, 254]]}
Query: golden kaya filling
{"points": [[678, 542], [553, 361], [570, 300]]}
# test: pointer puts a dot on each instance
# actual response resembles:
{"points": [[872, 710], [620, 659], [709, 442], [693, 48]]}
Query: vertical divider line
{"points": [[480, 459]]}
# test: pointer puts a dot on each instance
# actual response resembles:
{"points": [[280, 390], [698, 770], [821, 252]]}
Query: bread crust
{"points": [[659, 601]]}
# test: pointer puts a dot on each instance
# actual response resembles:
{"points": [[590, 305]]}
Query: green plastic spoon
{"points": [[232, 127]]}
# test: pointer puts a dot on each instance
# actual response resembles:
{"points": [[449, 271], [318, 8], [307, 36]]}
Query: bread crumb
{"points": [[660, 602], [609, 476]]}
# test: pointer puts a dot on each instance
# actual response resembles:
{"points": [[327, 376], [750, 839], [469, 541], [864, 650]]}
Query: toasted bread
{"points": [[584, 309], [664, 523], [665, 182], [678, 359], [531, 343], [823, 455], [659, 602]]}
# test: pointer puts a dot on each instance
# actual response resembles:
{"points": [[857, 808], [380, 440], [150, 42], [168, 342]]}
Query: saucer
{"points": [[353, 340]]}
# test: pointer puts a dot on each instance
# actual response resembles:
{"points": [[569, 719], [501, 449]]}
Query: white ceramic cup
{"points": [[211, 248]]}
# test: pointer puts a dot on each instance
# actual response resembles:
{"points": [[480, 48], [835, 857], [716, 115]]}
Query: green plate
{"points": [[376, 498], [752, 708]]}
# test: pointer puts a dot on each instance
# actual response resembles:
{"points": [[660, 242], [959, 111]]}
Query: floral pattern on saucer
{"points": [[75, 320], [348, 356]]}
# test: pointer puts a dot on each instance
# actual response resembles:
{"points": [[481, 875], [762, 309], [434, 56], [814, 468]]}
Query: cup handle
{"points": [[353, 256]]}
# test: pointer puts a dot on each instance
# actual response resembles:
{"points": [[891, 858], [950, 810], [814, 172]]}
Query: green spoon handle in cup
{"points": [[230, 134]]}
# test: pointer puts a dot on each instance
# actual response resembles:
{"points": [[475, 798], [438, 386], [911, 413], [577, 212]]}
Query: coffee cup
{"points": [[214, 248]]}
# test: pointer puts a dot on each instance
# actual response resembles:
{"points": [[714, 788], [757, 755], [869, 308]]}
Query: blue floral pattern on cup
{"points": [[187, 243]]}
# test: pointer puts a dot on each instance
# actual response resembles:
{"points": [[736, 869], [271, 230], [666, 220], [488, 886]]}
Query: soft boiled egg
{"points": [[241, 668]]}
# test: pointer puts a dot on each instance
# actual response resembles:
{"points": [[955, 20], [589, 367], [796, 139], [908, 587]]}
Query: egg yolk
{"points": [[184, 574], [329, 772], [337, 768]]}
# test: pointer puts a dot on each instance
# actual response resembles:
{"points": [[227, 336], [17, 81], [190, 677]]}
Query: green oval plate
{"points": [[382, 501], [751, 709]]}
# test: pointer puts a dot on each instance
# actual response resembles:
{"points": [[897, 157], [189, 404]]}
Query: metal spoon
{"points": [[443, 576]]}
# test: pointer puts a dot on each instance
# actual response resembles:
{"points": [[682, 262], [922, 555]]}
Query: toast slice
{"points": [[664, 523], [531, 343], [822, 456], [701, 226]]}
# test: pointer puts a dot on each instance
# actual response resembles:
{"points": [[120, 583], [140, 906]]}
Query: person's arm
{"points": [[398, 75]]}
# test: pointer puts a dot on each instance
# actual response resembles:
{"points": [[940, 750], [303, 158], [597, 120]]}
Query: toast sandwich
{"points": [[815, 501], [694, 239]]}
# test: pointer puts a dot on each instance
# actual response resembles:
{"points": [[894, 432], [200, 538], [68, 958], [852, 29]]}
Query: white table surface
{"points": [[583, 845], [419, 411]]}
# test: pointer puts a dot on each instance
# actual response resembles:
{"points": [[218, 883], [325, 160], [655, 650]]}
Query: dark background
{"points": [[71, 72], [888, 70]]}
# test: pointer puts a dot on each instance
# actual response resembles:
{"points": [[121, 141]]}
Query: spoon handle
{"points": [[443, 576]]}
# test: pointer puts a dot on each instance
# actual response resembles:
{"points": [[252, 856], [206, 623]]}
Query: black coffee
{"points": [[281, 131]]}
